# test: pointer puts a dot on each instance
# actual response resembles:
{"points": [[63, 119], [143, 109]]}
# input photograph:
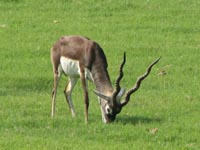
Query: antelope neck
{"points": [[102, 80]]}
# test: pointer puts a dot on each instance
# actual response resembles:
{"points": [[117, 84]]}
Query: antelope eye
{"points": [[108, 111]]}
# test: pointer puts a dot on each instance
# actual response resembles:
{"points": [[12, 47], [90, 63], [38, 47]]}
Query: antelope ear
{"points": [[121, 93], [107, 98]]}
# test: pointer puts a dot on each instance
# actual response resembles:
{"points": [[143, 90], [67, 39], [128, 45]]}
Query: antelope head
{"points": [[113, 104]]}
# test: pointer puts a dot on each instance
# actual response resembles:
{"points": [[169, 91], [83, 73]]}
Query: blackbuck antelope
{"points": [[80, 57]]}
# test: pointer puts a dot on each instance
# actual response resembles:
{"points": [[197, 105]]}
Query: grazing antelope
{"points": [[80, 57]]}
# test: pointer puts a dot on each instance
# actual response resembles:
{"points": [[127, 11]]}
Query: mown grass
{"points": [[163, 114]]}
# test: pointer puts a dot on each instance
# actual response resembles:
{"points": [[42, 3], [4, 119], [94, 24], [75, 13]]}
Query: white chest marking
{"points": [[71, 68]]}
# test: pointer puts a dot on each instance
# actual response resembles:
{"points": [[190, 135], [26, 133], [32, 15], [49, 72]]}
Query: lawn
{"points": [[163, 114]]}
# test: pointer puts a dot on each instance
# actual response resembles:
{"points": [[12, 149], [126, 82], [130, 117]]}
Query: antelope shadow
{"points": [[134, 120]]}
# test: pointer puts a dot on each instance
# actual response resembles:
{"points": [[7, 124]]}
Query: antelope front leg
{"points": [[86, 98]]}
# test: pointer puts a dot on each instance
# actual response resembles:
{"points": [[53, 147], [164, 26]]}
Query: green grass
{"points": [[145, 29]]}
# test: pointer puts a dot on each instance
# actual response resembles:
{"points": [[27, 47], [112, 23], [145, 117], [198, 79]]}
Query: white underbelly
{"points": [[71, 68]]}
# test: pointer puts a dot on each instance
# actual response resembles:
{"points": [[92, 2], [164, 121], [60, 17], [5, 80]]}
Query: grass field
{"points": [[163, 114]]}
